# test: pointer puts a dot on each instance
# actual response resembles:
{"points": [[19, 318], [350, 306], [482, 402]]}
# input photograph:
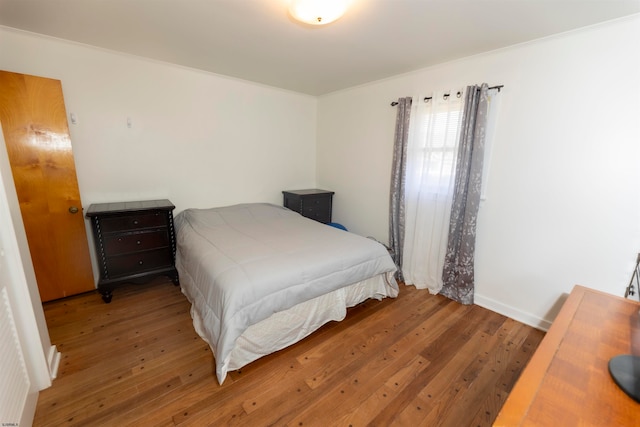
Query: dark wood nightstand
{"points": [[135, 241], [313, 203]]}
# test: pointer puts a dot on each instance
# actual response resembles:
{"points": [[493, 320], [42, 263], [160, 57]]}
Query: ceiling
{"points": [[256, 40]]}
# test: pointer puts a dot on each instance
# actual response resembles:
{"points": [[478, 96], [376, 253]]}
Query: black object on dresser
{"points": [[313, 203], [135, 241]]}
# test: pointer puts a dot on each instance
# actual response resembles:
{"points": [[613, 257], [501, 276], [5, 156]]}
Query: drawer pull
{"points": [[140, 262], [138, 242], [136, 222]]}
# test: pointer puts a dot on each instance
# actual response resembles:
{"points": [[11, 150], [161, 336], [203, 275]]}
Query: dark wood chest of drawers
{"points": [[134, 241], [313, 203]]}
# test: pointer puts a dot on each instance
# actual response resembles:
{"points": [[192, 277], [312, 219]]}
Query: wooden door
{"points": [[36, 133]]}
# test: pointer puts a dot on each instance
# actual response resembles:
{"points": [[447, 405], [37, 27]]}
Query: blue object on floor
{"points": [[336, 225]]}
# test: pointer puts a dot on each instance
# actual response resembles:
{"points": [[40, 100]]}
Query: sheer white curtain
{"points": [[430, 172]]}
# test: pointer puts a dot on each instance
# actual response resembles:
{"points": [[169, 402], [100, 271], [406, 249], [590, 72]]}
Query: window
{"points": [[433, 144]]}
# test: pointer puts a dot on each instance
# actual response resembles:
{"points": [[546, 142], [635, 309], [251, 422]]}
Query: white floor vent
{"points": [[14, 380]]}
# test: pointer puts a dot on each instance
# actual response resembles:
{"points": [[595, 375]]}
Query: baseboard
{"points": [[505, 310], [53, 360]]}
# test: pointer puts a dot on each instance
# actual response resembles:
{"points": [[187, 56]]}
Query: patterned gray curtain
{"points": [[398, 168], [458, 273]]}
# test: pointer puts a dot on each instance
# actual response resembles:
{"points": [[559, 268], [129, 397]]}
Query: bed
{"points": [[260, 277]]}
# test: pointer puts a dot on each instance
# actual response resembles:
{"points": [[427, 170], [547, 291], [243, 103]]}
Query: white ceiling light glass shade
{"points": [[317, 12]]}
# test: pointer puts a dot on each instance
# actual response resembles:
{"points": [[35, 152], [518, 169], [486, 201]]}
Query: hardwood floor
{"points": [[418, 360]]}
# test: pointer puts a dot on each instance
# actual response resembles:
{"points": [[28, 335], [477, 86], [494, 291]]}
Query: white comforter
{"points": [[247, 262]]}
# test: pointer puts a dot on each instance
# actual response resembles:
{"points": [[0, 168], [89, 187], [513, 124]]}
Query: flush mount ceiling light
{"points": [[317, 12]]}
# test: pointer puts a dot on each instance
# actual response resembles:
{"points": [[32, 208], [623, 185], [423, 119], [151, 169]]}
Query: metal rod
{"points": [[427, 98]]}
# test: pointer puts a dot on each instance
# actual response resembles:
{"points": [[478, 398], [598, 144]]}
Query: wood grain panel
{"points": [[416, 360], [34, 124], [567, 382]]}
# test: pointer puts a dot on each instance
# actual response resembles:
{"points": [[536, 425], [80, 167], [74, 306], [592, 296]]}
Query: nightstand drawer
{"points": [[318, 210], [131, 242], [315, 204], [133, 222], [138, 262]]}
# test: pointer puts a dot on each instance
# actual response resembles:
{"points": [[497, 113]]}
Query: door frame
{"points": [[40, 357]]}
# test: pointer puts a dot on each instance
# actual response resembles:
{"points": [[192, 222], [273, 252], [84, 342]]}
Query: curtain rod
{"points": [[446, 95]]}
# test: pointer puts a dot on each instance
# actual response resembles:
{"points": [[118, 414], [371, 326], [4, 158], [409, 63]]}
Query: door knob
{"points": [[73, 209]]}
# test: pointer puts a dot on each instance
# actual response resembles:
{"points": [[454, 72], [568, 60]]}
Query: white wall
{"points": [[563, 200], [198, 139]]}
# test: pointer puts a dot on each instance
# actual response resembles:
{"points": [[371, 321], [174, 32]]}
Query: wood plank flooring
{"points": [[418, 360]]}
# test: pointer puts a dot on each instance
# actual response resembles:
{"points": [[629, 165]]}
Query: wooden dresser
{"points": [[134, 241], [313, 203], [567, 381]]}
